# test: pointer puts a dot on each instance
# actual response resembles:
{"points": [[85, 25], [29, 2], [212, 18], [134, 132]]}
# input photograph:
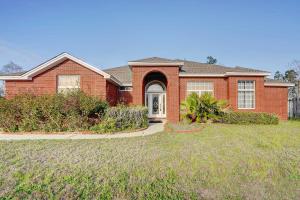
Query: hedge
{"points": [[61, 112], [249, 118], [122, 118]]}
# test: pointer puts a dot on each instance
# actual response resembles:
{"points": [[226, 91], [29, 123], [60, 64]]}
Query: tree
{"points": [[6, 69], [211, 60], [11, 68], [295, 65], [291, 75], [278, 76]]}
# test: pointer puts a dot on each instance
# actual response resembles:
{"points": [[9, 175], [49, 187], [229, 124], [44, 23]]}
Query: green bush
{"points": [[202, 108], [122, 118], [249, 118], [60, 112], [108, 125]]}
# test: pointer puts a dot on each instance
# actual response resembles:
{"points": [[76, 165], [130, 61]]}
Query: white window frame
{"points": [[127, 88], [199, 92], [246, 90], [67, 87]]}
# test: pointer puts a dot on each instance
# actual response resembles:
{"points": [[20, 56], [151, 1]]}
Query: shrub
{"points": [[108, 125], [69, 112], [249, 118], [202, 108], [123, 118]]}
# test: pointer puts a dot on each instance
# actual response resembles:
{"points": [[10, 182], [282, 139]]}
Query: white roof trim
{"points": [[248, 73], [53, 62], [155, 64], [15, 78], [226, 74], [127, 84], [201, 75], [280, 84]]}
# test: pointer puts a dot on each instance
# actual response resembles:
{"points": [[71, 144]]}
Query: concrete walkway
{"points": [[152, 129]]}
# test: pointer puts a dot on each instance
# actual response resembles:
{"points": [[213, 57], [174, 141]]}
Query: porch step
{"points": [[156, 120]]}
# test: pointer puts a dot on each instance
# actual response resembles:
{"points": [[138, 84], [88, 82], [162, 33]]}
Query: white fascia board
{"points": [[61, 57], [14, 78], [201, 75], [248, 73], [155, 64], [226, 74], [127, 84], [280, 84]]}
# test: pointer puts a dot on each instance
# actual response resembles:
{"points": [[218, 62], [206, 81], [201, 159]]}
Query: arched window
{"points": [[155, 87]]}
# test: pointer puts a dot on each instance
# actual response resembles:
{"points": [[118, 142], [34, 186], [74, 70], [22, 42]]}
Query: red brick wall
{"points": [[125, 97], [267, 99], [91, 82], [112, 92], [172, 75], [275, 101]]}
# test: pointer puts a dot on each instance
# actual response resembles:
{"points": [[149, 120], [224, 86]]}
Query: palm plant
{"points": [[203, 108]]}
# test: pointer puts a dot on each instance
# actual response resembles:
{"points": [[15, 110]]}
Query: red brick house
{"points": [[159, 83]]}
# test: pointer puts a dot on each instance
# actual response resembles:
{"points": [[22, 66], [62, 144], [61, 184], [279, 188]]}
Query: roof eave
{"points": [[6, 78], [280, 84], [225, 74], [248, 73], [200, 75]]}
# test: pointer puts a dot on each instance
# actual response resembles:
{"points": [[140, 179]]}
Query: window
{"points": [[125, 88], [155, 87], [67, 83], [200, 88], [246, 94]]}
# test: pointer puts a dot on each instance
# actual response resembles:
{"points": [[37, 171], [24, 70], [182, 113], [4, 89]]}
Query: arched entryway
{"points": [[156, 94]]}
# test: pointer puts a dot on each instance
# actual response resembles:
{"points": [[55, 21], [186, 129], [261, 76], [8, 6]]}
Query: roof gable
{"points": [[52, 63]]}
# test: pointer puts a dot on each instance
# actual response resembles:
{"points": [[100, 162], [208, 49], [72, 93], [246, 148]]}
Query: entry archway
{"points": [[156, 94]]}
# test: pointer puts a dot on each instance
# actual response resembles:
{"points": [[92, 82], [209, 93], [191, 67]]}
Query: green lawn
{"points": [[220, 162]]}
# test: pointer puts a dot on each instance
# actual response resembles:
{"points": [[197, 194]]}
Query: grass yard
{"points": [[220, 162]]}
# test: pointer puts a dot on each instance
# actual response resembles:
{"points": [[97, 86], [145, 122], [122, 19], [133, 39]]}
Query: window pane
{"points": [[200, 87], [155, 88], [68, 82], [246, 94]]}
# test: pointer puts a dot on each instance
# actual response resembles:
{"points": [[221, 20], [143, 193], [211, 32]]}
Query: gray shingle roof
{"points": [[154, 60], [191, 67], [123, 73], [269, 80]]}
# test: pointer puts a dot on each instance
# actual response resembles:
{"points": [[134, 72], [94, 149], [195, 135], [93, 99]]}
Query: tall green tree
{"points": [[278, 76], [291, 75], [211, 60]]}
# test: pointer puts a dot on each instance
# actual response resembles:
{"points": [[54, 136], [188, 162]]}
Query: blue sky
{"points": [[258, 34]]}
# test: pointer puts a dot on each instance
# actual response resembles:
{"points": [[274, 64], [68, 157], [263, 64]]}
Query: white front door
{"points": [[156, 103]]}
